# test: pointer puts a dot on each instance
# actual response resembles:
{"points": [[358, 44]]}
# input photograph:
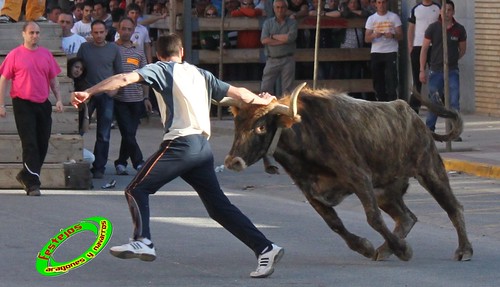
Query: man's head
{"points": [[53, 14], [65, 20], [169, 46], [113, 4], [126, 29], [77, 11], [98, 32], [280, 7], [100, 11], [133, 11], [31, 35], [381, 6], [88, 8], [450, 11]]}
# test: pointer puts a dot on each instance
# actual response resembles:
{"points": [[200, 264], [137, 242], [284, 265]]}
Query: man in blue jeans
{"points": [[103, 60], [457, 37], [185, 90]]}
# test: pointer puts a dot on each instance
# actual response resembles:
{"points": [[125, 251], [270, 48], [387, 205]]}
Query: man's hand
{"points": [[3, 112], [267, 97], [78, 98], [422, 77], [59, 106], [148, 105]]}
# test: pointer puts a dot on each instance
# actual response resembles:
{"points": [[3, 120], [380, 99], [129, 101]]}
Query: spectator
{"points": [[130, 101], [101, 13], [117, 14], [383, 30], [70, 42], [82, 27], [185, 151], [102, 60], [210, 40], [421, 16], [297, 9], [231, 5], [112, 5], [278, 37], [33, 72], [140, 38], [199, 8], [53, 14], [248, 39], [353, 39], [368, 7], [456, 39], [77, 11], [76, 70], [11, 11]]}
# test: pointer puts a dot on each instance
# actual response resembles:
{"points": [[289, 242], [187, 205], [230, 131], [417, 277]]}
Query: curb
{"points": [[474, 168]]}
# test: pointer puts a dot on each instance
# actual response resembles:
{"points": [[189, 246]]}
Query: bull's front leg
{"points": [[361, 245], [364, 190]]}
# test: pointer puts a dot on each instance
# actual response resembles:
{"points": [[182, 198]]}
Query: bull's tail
{"points": [[440, 110]]}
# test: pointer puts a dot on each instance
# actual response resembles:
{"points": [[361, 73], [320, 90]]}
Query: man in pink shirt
{"points": [[33, 72]]}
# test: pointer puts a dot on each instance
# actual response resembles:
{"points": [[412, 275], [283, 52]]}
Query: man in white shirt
{"points": [[70, 43], [82, 27]]}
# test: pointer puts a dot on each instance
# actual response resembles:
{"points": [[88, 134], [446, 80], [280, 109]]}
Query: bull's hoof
{"points": [[364, 247], [464, 254], [383, 252], [406, 253]]}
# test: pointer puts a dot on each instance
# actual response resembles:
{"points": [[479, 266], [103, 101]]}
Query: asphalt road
{"points": [[194, 251]]}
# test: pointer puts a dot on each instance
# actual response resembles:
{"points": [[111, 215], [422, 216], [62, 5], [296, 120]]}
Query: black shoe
{"points": [[98, 174], [33, 191], [459, 139]]}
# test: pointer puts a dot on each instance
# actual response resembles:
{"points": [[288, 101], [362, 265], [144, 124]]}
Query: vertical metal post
{"points": [[446, 69], [316, 43], [221, 52]]}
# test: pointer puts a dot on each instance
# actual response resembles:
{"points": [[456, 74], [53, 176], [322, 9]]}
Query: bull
{"points": [[333, 145]]}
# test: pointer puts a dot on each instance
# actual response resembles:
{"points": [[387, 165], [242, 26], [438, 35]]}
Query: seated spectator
{"points": [[11, 11], [53, 14], [76, 70]]}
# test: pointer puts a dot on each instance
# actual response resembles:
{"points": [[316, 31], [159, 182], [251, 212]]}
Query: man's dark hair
{"points": [[97, 2], [126, 19], [89, 3], [95, 22], [78, 5], [117, 14], [133, 7], [69, 14], [451, 4], [168, 45]]}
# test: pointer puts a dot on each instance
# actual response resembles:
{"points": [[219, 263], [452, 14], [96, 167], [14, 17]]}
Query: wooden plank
{"points": [[245, 23], [53, 176], [232, 56], [62, 123], [62, 148], [11, 36], [350, 86]]}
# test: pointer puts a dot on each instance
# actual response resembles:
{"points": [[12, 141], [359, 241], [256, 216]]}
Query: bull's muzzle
{"points": [[235, 163]]}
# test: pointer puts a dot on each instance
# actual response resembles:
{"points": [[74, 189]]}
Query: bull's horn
{"points": [[293, 100], [227, 101]]}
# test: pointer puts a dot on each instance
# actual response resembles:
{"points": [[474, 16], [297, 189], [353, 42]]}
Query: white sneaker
{"points": [[266, 262], [142, 249]]}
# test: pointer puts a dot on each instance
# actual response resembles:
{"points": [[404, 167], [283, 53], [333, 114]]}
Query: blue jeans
{"points": [[191, 158], [103, 105], [436, 87]]}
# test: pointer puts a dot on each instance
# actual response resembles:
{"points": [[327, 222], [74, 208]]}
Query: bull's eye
{"points": [[260, 130]]}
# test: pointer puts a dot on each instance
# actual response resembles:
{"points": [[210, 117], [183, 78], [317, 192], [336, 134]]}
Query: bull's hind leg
{"points": [[390, 200], [361, 245], [435, 180]]}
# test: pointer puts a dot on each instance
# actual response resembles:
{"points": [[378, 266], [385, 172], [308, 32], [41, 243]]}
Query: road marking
{"points": [[198, 222]]}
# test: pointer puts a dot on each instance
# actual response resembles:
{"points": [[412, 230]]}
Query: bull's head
{"points": [[255, 127]]}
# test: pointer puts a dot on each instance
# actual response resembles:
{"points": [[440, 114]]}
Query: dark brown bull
{"points": [[333, 146]]}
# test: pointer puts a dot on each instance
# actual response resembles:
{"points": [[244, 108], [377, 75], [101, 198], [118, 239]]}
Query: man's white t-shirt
{"points": [[383, 24]]}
